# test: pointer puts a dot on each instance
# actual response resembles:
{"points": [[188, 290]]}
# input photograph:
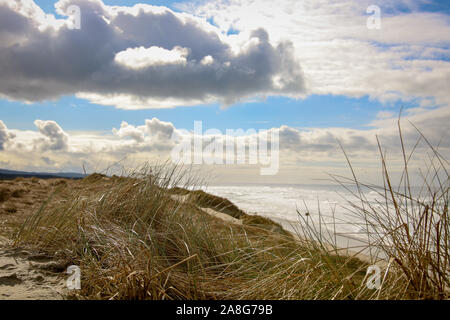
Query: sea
{"points": [[327, 209]]}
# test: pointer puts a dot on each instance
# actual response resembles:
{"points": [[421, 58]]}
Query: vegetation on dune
{"points": [[5, 193], [134, 238], [409, 227]]}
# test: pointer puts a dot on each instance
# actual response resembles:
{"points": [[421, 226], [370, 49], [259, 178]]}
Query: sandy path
{"points": [[222, 216], [24, 276]]}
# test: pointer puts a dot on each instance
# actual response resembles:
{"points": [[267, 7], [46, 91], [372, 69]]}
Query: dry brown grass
{"points": [[410, 228], [133, 241], [5, 193]]}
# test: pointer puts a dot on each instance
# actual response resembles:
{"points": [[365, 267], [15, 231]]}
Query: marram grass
{"points": [[133, 239]]}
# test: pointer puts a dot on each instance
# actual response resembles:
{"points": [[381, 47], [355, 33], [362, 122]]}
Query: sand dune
{"points": [[24, 276]]}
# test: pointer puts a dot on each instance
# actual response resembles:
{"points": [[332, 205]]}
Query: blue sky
{"points": [[48, 5], [315, 111], [442, 6]]}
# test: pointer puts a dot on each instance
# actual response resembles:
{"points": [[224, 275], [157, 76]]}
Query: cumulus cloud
{"points": [[208, 60], [161, 129], [161, 136], [303, 151], [5, 135], [137, 57], [54, 136], [130, 131], [153, 132]]}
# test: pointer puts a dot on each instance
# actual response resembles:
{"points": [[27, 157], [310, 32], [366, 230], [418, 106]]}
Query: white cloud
{"points": [[54, 136], [160, 129], [127, 130], [133, 102], [207, 60], [139, 58], [5, 135], [154, 133]]}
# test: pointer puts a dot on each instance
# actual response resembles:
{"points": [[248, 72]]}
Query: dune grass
{"points": [[409, 228], [5, 193], [132, 240]]}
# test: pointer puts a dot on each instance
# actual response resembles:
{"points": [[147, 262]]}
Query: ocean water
{"points": [[285, 203]]}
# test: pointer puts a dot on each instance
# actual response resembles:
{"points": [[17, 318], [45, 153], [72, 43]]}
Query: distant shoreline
{"points": [[12, 174]]}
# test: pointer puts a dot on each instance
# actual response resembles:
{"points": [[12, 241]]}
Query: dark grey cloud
{"points": [[44, 63]]}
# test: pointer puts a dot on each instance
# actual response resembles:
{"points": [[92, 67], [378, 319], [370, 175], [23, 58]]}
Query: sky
{"points": [[119, 79]]}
